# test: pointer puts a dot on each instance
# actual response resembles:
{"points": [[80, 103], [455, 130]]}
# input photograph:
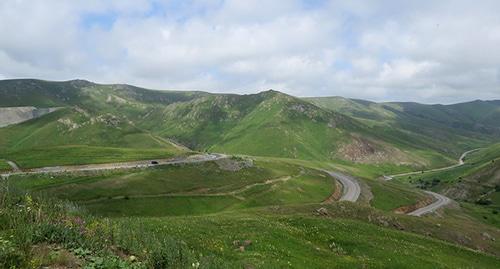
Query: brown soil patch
{"points": [[335, 196], [410, 208]]}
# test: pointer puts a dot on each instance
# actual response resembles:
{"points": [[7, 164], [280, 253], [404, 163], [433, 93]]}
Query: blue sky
{"points": [[427, 51]]}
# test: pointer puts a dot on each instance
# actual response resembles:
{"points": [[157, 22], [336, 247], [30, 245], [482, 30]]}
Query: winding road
{"points": [[459, 163], [350, 187], [440, 200], [112, 166]]}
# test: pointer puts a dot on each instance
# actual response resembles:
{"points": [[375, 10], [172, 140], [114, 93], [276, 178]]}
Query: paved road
{"points": [[112, 166], [441, 200], [350, 186], [459, 163]]}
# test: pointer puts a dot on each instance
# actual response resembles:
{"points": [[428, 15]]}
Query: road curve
{"points": [[459, 163], [112, 166], [441, 201], [350, 186]]}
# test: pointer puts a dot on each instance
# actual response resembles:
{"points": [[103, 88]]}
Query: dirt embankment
{"points": [[14, 115], [336, 195], [410, 208]]}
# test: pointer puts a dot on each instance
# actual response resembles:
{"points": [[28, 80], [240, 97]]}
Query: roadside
{"points": [[112, 166]]}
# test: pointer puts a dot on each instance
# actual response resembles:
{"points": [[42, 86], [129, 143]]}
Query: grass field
{"points": [[391, 195], [4, 166], [311, 242], [184, 189], [278, 218], [386, 195], [276, 237], [486, 214]]}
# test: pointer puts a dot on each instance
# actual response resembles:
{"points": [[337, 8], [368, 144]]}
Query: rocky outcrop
{"points": [[364, 150], [14, 115]]}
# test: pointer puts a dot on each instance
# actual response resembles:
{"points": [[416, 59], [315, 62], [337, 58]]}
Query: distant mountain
{"points": [[268, 123]]}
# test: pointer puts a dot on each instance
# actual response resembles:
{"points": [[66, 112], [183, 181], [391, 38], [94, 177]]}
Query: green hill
{"points": [[87, 129], [476, 184], [448, 129], [264, 124]]}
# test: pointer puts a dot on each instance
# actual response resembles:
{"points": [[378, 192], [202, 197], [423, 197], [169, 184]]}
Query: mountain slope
{"points": [[267, 124], [86, 127], [449, 129]]}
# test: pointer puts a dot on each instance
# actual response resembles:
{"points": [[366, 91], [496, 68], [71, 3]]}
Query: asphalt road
{"points": [[459, 163], [441, 201], [112, 166], [350, 186]]}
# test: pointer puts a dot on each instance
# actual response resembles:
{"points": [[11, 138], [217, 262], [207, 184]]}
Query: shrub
{"points": [[169, 254], [484, 201], [10, 255]]}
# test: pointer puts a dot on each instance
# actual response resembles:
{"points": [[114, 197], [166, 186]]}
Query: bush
{"points": [[10, 255], [169, 254], [484, 201]]}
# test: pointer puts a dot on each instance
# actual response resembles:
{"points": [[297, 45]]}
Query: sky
{"points": [[439, 51]]}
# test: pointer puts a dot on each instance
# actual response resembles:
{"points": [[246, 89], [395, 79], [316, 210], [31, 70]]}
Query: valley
{"points": [[264, 180]]}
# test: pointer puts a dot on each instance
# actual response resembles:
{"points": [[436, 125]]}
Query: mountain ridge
{"points": [[269, 123]]}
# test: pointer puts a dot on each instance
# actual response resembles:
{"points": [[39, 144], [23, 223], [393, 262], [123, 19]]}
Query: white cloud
{"points": [[427, 51]]}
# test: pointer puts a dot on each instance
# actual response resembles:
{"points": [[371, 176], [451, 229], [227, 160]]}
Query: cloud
{"points": [[427, 51]]}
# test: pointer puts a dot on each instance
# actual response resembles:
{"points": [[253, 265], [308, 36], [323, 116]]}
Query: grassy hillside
{"points": [[476, 184], [4, 166], [70, 137], [267, 124], [448, 129], [37, 232], [185, 189], [466, 182], [293, 241]]}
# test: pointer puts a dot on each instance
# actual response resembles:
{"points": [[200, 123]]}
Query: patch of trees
{"points": [[427, 184], [484, 201]]}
